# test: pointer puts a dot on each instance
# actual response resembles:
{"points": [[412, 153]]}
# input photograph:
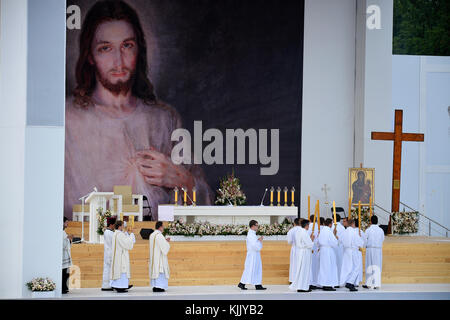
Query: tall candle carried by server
{"points": [[349, 208], [370, 207], [359, 217], [318, 214], [314, 219], [334, 212], [309, 207]]}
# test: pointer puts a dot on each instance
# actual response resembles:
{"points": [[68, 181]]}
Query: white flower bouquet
{"points": [[41, 284], [230, 192], [101, 219], [405, 222], [365, 217]]}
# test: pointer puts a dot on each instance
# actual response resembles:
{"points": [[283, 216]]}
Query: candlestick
{"points": [[278, 196], [285, 196], [292, 196], [349, 208], [359, 217], [334, 213], [271, 196], [185, 196], [194, 198], [176, 195], [318, 214], [121, 217], [314, 219], [309, 207]]}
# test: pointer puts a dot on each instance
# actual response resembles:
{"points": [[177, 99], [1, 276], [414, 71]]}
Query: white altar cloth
{"points": [[226, 214]]}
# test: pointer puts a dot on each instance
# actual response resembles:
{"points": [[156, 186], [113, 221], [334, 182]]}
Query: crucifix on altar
{"points": [[398, 136]]}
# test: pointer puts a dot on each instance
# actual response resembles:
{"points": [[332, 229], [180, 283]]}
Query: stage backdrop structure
{"points": [[227, 73]]}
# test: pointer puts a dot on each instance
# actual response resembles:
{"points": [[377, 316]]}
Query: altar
{"points": [[226, 214]]}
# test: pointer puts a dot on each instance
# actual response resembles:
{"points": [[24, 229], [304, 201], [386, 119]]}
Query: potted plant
{"points": [[42, 288]]}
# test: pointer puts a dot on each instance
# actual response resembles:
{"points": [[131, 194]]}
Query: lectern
{"points": [[96, 200]]}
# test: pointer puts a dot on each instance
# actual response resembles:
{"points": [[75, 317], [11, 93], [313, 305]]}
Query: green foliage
{"points": [[421, 27]]}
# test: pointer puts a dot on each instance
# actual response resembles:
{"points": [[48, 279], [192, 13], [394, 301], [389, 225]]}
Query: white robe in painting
{"points": [[159, 270], [120, 267], [328, 272], [253, 265], [350, 260], [373, 240], [339, 250], [107, 258], [303, 244], [293, 256], [315, 255]]}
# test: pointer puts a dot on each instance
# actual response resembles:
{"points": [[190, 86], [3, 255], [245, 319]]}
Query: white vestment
{"points": [[159, 264], [107, 258], [120, 265], [373, 240], [253, 265], [339, 250], [350, 260], [328, 272], [303, 244], [360, 257], [66, 256], [293, 256], [315, 255]]}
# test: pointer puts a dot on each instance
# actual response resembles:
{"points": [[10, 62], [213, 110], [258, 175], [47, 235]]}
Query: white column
{"points": [[373, 96], [13, 93]]}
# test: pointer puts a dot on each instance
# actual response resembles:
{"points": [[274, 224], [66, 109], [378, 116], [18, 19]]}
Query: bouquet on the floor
{"points": [[230, 192], [405, 222], [41, 284], [101, 219]]}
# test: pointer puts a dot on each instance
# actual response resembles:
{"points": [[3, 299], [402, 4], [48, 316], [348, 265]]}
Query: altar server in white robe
{"points": [[373, 239], [293, 256], [315, 256], [339, 249], [120, 268], [328, 272], [253, 265], [304, 244], [159, 264], [350, 260], [360, 235], [107, 253]]}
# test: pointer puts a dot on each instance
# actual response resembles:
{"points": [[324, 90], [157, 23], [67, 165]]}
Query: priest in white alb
{"points": [[328, 272], [159, 263], [107, 253], [361, 235], [350, 260], [339, 250], [373, 239], [253, 265], [315, 256], [293, 256], [120, 268], [302, 272]]}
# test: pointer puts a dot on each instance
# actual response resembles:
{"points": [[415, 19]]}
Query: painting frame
{"points": [[364, 189]]}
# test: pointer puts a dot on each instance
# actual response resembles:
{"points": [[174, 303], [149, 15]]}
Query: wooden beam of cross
{"points": [[398, 136]]}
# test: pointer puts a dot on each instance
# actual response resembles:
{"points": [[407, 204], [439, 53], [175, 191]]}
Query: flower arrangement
{"points": [[405, 222], [178, 228], [41, 284], [365, 217], [101, 219], [230, 192]]}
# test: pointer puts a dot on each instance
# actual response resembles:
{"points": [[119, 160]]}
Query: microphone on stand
{"points": [[262, 200]]}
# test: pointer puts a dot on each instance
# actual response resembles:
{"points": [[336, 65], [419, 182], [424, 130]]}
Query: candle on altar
{"points": [[278, 195], [194, 198], [349, 208], [285, 195], [309, 207], [318, 214], [185, 196], [292, 196], [176, 196], [359, 217], [334, 213], [271, 196]]}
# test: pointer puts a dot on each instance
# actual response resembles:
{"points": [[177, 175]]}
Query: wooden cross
{"points": [[398, 136]]}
